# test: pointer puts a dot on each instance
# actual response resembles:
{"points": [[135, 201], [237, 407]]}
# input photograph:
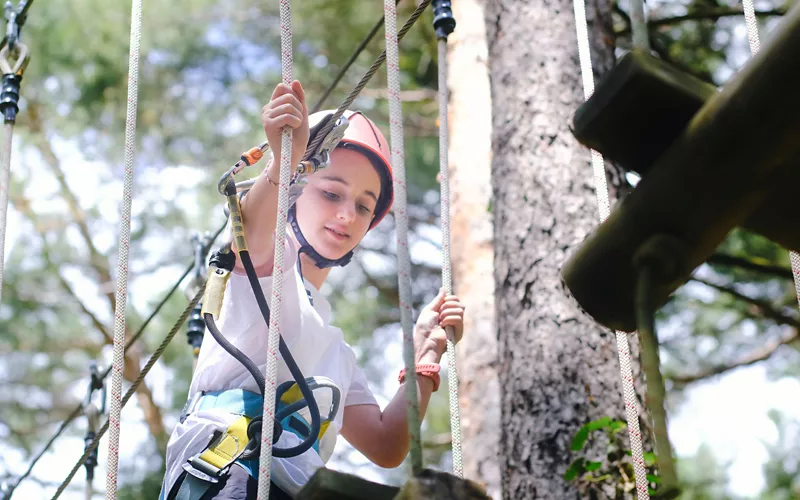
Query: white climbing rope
{"points": [[755, 45], [752, 26], [447, 278], [5, 178], [401, 221], [124, 248], [601, 189], [265, 461]]}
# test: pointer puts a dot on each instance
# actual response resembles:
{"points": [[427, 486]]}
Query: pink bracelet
{"points": [[430, 370]]}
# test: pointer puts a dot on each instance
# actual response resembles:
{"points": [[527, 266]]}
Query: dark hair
{"points": [[387, 187]]}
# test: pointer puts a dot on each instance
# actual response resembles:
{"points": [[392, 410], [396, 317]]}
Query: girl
{"points": [[337, 208]]}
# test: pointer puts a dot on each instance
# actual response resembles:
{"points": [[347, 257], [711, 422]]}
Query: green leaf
{"points": [[580, 438], [653, 478], [577, 467], [599, 424], [617, 425], [592, 466], [649, 457]]}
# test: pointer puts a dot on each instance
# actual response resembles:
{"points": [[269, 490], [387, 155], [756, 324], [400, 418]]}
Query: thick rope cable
{"points": [[348, 63], [601, 190], [447, 277], [265, 460], [132, 389], [366, 78], [78, 409], [755, 45], [124, 250], [401, 219], [4, 180]]}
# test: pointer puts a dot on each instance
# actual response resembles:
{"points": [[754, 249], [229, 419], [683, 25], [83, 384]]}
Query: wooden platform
{"points": [[733, 165], [328, 484]]}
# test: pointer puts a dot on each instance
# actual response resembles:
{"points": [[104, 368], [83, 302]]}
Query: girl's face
{"points": [[338, 204]]}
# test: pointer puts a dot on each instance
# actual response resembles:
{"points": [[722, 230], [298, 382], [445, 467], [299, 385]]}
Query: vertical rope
{"points": [[640, 34], [4, 181], [752, 26], [447, 277], [401, 218], [124, 248], [265, 463], [601, 190], [755, 46]]}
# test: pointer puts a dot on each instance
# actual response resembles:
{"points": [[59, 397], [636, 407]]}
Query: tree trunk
{"points": [[558, 369], [472, 255]]}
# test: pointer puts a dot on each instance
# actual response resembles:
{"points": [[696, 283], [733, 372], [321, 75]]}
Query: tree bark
{"points": [[472, 253], [558, 369]]}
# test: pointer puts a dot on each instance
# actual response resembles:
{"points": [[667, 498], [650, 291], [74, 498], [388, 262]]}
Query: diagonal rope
{"points": [[134, 386], [124, 248], [601, 190], [348, 63], [4, 180], [366, 78], [78, 409], [265, 459], [447, 277], [755, 46], [401, 217]]}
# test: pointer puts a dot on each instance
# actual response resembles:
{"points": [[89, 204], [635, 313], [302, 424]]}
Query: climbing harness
{"points": [[13, 61], [93, 412], [604, 209]]}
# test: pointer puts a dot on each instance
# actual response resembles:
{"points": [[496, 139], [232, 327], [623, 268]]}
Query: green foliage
{"points": [[611, 472]]}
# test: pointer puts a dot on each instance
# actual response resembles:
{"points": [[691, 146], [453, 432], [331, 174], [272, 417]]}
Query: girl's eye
{"points": [[364, 209], [330, 195]]}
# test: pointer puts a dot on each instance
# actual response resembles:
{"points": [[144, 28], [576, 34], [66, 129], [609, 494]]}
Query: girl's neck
{"points": [[311, 273]]}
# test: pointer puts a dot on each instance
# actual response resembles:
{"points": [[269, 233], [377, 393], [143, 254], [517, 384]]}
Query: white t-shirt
{"points": [[318, 348]]}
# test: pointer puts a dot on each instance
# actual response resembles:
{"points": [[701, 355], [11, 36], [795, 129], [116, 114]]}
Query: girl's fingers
{"points": [[280, 90], [284, 121], [300, 93], [285, 109]]}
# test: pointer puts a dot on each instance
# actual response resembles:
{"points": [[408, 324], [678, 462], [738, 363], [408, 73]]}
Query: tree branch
{"points": [[762, 308], [760, 354], [23, 205], [751, 265], [152, 412], [711, 14], [38, 135]]}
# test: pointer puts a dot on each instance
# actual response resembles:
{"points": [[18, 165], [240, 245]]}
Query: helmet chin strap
{"points": [[305, 248]]}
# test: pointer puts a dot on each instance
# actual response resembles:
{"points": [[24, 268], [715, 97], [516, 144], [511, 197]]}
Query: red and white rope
{"points": [[265, 461], [447, 277], [601, 189], [755, 46], [5, 178], [124, 250], [401, 221]]}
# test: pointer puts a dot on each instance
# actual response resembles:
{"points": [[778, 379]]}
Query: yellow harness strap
{"points": [[227, 448]]}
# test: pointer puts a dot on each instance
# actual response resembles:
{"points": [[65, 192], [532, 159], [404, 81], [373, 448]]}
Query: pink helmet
{"points": [[365, 137]]}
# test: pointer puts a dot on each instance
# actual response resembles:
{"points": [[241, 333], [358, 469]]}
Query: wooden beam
{"points": [[711, 179], [327, 484]]}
